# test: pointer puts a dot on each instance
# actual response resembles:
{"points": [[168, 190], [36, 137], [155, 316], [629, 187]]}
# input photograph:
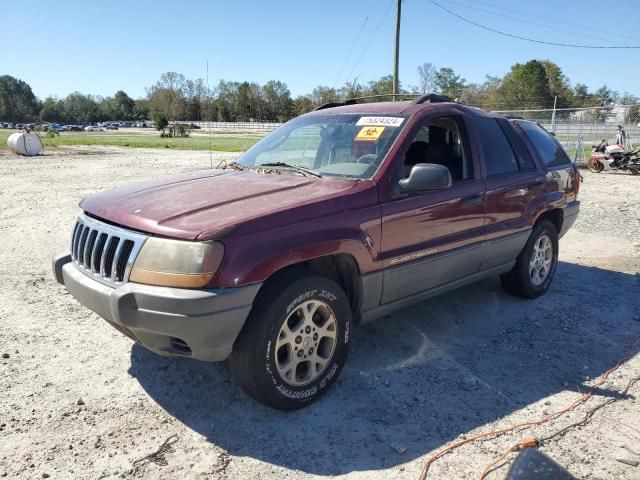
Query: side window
{"points": [[545, 144], [442, 141], [498, 154], [524, 157]]}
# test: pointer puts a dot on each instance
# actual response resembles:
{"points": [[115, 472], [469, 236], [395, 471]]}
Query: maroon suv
{"points": [[338, 217]]}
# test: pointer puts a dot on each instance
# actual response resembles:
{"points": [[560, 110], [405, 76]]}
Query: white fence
{"points": [[252, 126]]}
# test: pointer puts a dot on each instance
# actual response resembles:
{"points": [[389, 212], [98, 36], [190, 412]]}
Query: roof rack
{"points": [[430, 98]]}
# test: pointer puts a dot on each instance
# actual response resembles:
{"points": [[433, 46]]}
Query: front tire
{"points": [[595, 165], [536, 265], [294, 343]]}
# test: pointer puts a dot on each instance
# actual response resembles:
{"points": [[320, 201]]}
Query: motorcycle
{"points": [[613, 157]]}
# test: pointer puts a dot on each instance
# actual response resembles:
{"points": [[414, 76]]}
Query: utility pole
{"points": [[396, 56]]}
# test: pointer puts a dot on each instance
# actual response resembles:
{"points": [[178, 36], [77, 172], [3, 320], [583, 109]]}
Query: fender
{"points": [[254, 259], [544, 203]]}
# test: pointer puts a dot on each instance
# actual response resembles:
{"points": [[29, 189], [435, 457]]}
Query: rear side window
{"points": [[545, 144], [524, 157], [498, 154]]}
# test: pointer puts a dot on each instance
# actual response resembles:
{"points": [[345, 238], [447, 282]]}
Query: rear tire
{"points": [[536, 265], [294, 343]]}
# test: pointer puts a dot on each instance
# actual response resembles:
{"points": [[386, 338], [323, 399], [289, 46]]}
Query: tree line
{"points": [[536, 84]]}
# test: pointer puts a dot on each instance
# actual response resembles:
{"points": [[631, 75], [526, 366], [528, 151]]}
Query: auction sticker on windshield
{"points": [[380, 121], [369, 134]]}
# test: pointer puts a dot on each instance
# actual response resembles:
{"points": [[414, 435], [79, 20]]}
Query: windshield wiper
{"points": [[297, 168]]}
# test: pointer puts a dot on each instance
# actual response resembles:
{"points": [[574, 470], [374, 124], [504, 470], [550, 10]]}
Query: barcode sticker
{"points": [[380, 121]]}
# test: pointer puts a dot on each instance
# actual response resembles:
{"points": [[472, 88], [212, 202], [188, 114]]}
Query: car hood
{"points": [[210, 201]]}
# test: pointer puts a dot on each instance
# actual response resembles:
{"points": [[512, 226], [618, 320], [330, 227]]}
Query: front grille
{"points": [[104, 252]]}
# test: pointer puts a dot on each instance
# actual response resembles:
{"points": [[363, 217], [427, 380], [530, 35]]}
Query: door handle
{"points": [[471, 200], [536, 183]]}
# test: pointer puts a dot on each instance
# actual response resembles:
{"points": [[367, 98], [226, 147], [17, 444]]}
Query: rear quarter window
{"points": [[499, 157], [549, 149]]}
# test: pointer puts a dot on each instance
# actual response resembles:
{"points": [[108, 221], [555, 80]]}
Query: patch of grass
{"points": [[220, 143]]}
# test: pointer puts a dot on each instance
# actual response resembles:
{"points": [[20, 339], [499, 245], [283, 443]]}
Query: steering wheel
{"points": [[369, 158]]}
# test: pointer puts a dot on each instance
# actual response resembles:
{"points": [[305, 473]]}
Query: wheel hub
{"points": [[541, 260], [306, 343]]}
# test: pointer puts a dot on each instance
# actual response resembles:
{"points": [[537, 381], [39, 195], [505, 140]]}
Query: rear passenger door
{"points": [[512, 181]]}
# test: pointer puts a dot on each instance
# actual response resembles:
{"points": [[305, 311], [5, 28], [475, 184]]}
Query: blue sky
{"points": [[101, 47]]}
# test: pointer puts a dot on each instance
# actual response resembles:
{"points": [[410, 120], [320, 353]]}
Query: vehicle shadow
{"points": [[418, 378]]}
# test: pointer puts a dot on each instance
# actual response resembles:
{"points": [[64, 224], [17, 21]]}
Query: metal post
{"points": [[396, 56], [553, 115]]}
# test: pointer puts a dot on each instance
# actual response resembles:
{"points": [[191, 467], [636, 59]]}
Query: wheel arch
{"points": [[340, 267], [555, 216]]}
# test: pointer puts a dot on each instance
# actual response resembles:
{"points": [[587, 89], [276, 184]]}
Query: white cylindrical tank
{"points": [[24, 143]]}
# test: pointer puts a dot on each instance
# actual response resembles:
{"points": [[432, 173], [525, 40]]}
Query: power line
{"points": [[364, 50], [564, 22], [533, 40], [531, 22], [353, 46]]}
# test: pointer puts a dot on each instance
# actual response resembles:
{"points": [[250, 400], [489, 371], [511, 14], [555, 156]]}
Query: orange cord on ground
{"points": [[527, 443]]}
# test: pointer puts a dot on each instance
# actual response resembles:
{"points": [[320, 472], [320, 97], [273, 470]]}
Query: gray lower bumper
{"points": [[570, 213], [201, 324]]}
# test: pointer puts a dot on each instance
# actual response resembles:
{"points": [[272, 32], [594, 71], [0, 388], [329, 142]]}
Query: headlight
{"points": [[175, 263]]}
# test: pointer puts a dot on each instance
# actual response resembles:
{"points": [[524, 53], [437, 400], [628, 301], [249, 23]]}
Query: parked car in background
{"points": [[93, 128], [111, 126], [338, 217]]}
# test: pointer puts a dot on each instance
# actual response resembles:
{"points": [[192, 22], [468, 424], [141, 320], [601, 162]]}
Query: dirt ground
{"points": [[79, 400]]}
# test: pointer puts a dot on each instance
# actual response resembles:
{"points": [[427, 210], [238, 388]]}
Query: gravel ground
{"points": [[79, 400]]}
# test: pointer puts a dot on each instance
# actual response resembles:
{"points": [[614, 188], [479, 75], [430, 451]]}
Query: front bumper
{"points": [[201, 324]]}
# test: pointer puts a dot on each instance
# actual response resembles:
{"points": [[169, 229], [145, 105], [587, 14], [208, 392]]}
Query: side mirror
{"points": [[426, 176]]}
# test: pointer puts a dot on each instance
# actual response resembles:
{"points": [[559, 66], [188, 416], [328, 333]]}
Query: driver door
{"points": [[435, 237]]}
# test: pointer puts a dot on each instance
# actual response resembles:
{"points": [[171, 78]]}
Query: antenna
{"points": [[209, 119]]}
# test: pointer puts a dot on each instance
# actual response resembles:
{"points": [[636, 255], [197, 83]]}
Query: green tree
{"points": [[168, 96], [52, 110], [582, 97], [302, 104], [123, 106], [141, 109], [160, 119], [353, 89], [17, 101], [80, 108], [558, 84], [322, 95], [448, 82], [279, 104], [382, 86], [526, 86]]}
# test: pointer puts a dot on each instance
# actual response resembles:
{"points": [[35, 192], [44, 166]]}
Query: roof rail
{"points": [[432, 98], [329, 105], [354, 100]]}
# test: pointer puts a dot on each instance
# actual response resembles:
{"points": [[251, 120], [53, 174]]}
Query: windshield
{"points": [[331, 145]]}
